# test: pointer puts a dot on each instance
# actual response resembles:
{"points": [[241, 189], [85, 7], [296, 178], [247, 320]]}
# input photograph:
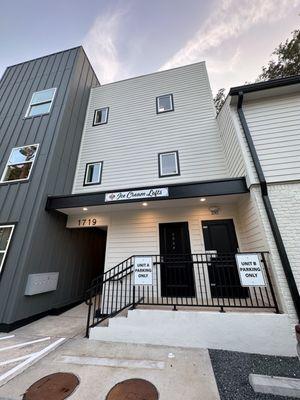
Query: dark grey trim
{"points": [[86, 169], [182, 191], [172, 99], [269, 210], [159, 164], [101, 123], [273, 83]]}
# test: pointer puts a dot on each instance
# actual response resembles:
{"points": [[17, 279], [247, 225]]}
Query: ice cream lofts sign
{"points": [[137, 194]]}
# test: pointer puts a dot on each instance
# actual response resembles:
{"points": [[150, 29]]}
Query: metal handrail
{"points": [[189, 280]]}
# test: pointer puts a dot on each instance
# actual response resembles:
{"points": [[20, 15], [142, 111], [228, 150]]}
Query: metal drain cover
{"points": [[133, 389], [57, 386]]}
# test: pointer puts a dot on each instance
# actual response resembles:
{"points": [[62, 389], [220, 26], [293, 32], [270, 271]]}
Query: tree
{"points": [[286, 62], [219, 99]]}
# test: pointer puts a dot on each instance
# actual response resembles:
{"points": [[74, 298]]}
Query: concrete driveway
{"points": [[176, 372]]}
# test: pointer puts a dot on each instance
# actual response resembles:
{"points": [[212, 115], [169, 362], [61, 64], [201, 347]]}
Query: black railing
{"points": [[190, 280]]}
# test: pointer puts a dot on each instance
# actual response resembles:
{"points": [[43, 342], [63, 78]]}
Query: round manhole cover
{"points": [[133, 389], [57, 386]]}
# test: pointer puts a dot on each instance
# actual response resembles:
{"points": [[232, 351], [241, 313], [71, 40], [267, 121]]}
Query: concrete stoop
{"points": [[260, 333]]}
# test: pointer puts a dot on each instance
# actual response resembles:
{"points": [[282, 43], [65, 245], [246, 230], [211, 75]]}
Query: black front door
{"points": [[177, 276], [219, 235]]}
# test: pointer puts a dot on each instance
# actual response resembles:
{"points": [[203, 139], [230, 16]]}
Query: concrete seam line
{"points": [[24, 344], [12, 373]]}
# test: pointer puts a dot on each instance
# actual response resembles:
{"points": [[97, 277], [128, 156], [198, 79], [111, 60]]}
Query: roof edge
{"points": [[273, 83]]}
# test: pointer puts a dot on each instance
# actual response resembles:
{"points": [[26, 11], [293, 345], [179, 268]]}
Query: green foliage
{"points": [[219, 99], [286, 62]]}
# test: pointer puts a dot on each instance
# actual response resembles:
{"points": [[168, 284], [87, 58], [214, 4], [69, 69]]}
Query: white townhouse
{"points": [[200, 212]]}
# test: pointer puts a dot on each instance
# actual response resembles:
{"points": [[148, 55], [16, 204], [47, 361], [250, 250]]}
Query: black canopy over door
{"points": [[219, 235], [177, 276]]}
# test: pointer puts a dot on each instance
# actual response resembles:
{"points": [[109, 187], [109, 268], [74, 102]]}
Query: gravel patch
{"points": [[232, 371]]}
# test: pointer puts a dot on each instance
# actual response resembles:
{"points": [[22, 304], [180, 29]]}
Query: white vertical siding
{"points": [[230, 142], [274, 123], [130, 142]]}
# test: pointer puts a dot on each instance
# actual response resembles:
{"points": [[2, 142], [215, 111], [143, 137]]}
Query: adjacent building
{"points": [[138, 191]]}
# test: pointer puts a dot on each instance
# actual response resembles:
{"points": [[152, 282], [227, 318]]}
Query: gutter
{"points": [[270, 84], [268, 207]]}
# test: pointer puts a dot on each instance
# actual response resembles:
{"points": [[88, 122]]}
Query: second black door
{"points": [[177, 276], [224, 279]]}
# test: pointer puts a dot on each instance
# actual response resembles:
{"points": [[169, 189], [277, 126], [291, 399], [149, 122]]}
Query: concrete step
{"points": [[276, 385], [261, 333]]}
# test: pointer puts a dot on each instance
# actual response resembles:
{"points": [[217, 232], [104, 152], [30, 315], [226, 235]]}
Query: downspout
{"points": [[268, 207]]}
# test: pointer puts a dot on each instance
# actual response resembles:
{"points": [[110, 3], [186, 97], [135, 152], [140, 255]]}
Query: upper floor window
{"points": [[19, 164], [164, 103], [40, 102], [93, 172], [6, 232], [101, 116], [168, 164]]}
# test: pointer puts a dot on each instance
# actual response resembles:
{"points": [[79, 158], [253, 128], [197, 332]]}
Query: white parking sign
{"points": [[250, 270], [143, 271]]}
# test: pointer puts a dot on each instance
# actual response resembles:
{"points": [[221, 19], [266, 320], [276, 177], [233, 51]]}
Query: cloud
{"points": [[100, 44], [230, 20]]}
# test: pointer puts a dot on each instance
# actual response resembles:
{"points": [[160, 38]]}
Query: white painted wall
{"points": [[262, 333], [130, 142]]}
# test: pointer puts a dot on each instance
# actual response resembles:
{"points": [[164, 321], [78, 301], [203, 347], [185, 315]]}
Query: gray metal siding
{"points": [[36, 234]]}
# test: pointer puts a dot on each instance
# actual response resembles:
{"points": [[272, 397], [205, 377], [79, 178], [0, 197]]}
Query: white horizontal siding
{"points": [[233, 153], [137, 232], [252, 237], [274, 124], [130, 142]]}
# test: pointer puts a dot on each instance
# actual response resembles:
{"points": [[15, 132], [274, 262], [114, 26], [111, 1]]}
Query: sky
{"points": [[126, 38]]}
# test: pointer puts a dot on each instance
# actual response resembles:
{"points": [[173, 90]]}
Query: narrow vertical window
{"points": [[168, 164], [93, 172], [20, 162], [101, 116], [164, 103], [40, 103], [6, 232]]}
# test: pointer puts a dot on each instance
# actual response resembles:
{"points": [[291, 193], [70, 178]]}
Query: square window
{"points": [[20, 162], [168, 164], [164, 103], [93, 173], [101, 116], [40, 103], [6, 232]]}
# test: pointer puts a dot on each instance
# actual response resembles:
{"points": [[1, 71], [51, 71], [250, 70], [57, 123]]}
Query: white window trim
{"points": [[171, 102], [7, 246], [25, 162], [99, 176], [42, 102], [106, 119], [161, 174]]}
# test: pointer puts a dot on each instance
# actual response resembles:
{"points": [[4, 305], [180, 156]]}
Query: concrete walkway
{"points": [[176, 372]]}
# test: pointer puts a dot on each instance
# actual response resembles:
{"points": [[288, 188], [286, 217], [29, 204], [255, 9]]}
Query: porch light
{"points": [[145, 204], [203, 199], [85, 209]]}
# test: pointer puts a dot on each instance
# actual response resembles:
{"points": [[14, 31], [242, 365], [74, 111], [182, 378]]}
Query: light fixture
{"points": [[145, 204], [85, 209], [203, 199]]}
